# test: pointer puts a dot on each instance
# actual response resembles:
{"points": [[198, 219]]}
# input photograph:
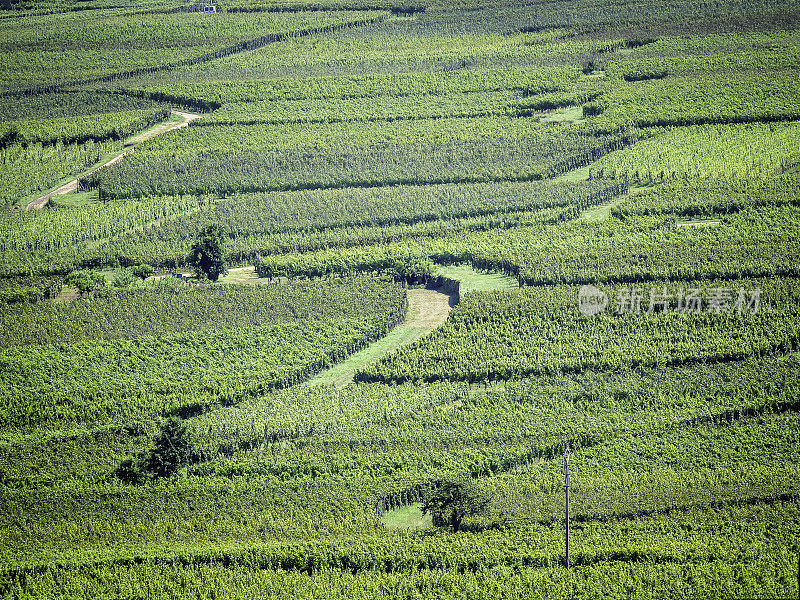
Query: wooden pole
{"points": [[567, 456]]}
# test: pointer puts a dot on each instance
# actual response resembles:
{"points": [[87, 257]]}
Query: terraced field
{"points": [[333, 339]]}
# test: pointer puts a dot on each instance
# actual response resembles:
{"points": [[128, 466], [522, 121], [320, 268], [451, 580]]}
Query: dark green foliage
{"points": [[172, 450], [206, 256], [142, 271], [85, 280], [124, 278], [131, 470], [451, 499], [20, 294], [413, 270]]}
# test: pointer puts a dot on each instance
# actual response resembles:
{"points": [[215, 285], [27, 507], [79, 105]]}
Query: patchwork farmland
{"points": [[330, 288]]}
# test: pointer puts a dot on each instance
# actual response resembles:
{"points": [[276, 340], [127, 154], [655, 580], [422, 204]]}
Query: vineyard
{"points": [[177, 348], [538, 331], [705, 151], [602, 200]]}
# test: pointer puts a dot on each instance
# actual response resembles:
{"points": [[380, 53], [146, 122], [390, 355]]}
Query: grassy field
{"points": [[602, 212], [474, 281], [75, 199], [407, 517], [427, 309], [615, 188]]}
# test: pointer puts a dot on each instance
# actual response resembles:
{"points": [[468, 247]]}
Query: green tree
{"points": [[85, 280], [124, 278], [142, 271], [451, 499], [206, 256], [172, 449]]}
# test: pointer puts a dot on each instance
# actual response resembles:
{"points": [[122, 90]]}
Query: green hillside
{"points": [[462, 238]]}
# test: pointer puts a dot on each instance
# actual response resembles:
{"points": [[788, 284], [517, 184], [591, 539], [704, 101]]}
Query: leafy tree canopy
{"points": [[206, 255], [172, 451], [86, 280], [451, 499], [142, 271]]}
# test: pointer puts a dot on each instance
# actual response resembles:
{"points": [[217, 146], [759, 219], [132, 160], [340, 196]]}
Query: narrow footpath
{"points": [[130, 145], [427, 309]]}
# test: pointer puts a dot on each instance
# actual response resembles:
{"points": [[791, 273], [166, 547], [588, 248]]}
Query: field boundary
{"points": [[427, 310], [252, 44], [128, 147]]}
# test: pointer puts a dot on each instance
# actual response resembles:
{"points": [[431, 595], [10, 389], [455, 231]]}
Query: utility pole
{"points": [[567, 457]]}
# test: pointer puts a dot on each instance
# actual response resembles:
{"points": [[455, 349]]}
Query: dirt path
{"points": [[185, 119], [164, 127], [241, 275], [235, 275], [707, 223], [427, 309]]}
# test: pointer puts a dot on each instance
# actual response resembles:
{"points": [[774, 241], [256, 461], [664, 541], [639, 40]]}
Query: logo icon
{"points": [[591, 300]]}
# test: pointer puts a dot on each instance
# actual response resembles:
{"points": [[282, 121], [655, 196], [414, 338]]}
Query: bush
{"points": [[142, 271], [85, 280], [124, 278], [172, 451]]}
